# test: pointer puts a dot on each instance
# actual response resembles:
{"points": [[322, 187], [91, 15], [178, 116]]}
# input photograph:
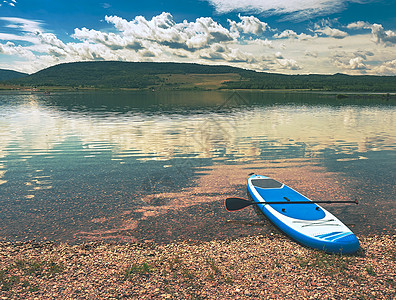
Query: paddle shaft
{"points": [[299, 202], [237, 203]]}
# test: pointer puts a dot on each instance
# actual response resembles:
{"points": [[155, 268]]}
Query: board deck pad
{"points": [[308, 224], [266, 183]]}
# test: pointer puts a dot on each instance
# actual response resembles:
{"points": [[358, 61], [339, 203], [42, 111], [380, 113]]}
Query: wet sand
{"points": [[256, 267]]}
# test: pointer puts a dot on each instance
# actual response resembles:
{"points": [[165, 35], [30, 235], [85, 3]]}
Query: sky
{"points": [[354, 37]]}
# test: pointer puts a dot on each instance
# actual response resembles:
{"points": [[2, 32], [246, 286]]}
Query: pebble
{"points": [[219, 269]]}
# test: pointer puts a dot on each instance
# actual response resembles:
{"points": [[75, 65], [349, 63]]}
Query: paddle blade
{"points": [[233, 204]]}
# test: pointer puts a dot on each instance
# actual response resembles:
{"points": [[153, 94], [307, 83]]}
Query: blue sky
{"points": [[283, 36]]}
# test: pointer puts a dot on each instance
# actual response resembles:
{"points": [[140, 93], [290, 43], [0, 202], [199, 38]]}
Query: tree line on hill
{"points": [[336, 82], [141, 75], [10, 75], [109, 74]]}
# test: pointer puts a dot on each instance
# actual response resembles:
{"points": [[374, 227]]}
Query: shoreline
{"points": [[55, 89], [255, 267]]}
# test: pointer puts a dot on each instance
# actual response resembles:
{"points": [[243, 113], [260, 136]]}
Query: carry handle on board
{"points": [[236, 203]]}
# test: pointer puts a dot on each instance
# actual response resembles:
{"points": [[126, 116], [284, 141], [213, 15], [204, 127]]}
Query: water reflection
{"points": [[157, 134], [69, 158]]}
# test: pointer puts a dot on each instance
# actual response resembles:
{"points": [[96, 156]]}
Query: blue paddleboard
{"points": [[308, 224]]}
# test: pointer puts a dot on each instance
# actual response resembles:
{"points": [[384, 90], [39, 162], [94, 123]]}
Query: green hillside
{"points": [[9, 74], [336, 82], [110, 74]]}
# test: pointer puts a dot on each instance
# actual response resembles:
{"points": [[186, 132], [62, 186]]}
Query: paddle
{"points": [[237, 203]]}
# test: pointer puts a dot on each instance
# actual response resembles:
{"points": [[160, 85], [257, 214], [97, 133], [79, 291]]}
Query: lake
{"points": [[131, 166]]}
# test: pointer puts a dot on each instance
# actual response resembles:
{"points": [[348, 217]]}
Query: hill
{"points": [[9, 74], [336, 82], [111, 74]]}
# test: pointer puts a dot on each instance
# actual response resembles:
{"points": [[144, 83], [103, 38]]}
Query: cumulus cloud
{"points": [[289, 64], [111, 40], [10, 48], [332, 32], [49, 39], [357, 64], [386, 68], [202, 40], [290, 34], [246, 42], [141, 39], [381, 36], [378, 34], [325, 27], [265, 43], [296, 9], [286, 34], [248, 25], [349, 61], [162, 29], [358, 25]]}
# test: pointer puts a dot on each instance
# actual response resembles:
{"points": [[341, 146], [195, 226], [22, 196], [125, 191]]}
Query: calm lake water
{"points": [[136, 166]]}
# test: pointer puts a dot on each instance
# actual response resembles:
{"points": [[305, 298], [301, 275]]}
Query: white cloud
{"points": [[163, 30], [348, 61], [386, 68], [290, 34], [357, 63], [10, 3], [265, 43], [248, 25], [140, 39], [15, 37], [289, 64], [378, 34], [332, 32], [286, 34], [247, 43], [111, 40], [297, 9], [358, 25], [279, 55], [49, 39], [11, 49], [24, 25]]}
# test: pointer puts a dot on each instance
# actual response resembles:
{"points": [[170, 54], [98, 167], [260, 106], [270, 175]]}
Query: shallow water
{"points": [[134, 166]]}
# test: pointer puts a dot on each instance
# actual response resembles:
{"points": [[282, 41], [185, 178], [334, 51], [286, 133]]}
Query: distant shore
{"points": [[53, 89], [191, 76], [256, 267]]}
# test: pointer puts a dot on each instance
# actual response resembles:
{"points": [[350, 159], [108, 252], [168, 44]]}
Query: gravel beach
{"points": [[255, 267]]}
